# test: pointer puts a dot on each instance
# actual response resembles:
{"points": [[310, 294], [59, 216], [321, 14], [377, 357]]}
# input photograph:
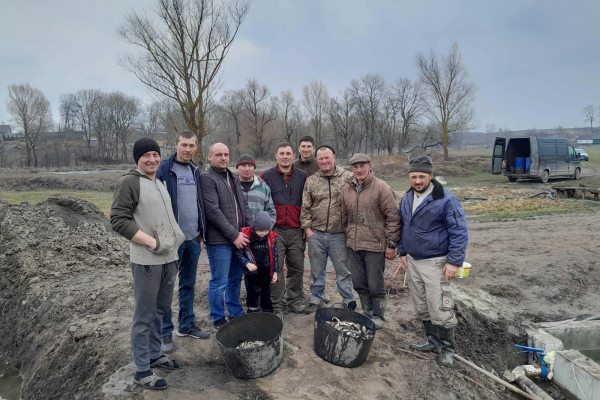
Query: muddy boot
{"points": [[433, 342], [379, 312], [446, 357], [366, 304]]}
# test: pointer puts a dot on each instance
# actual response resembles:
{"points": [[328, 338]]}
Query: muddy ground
{"points": [[66, 306]]}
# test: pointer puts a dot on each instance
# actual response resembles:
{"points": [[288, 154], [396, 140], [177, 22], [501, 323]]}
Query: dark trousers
{"points": [[290, 249], [367, 273], [189, 253], [258, 290]]}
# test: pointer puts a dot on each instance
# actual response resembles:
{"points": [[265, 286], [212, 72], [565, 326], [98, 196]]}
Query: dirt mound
{"points": [[457, 166], [63, 277], [101, 181]]}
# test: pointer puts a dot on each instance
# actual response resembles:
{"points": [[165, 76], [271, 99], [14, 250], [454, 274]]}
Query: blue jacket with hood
{"points": [[437, 228]]}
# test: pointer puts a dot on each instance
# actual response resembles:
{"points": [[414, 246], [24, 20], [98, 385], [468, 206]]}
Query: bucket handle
{"points": [[341, 304]]}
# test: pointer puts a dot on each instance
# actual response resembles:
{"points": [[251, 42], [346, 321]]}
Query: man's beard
{"points": [[422, 190]]}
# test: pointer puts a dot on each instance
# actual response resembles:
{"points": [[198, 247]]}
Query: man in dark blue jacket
{"points": [[182, 179], [433, 243]]}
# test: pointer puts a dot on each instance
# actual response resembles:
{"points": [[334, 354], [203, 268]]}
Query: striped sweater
{"points": [[259, 198]]}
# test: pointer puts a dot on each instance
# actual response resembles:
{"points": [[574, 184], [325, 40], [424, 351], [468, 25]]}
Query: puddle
{"points": [[594, 354], [10, 383]]}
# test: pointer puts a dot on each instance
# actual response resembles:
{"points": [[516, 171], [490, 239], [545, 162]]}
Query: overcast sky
{"points": [[537, 63]]}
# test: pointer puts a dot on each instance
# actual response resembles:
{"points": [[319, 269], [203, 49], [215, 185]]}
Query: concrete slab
{"points": [[580, 335], [577, 375]]}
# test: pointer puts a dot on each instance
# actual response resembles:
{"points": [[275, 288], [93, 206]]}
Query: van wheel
{"points": [[512, 179], [577, 174], [545, 176]]}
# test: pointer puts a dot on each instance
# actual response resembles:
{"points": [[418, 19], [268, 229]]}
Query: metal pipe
{"points": [[521, 374], [495, 378]]}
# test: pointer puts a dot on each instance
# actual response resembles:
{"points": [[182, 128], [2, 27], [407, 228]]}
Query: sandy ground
{"points": [[66, 305]]}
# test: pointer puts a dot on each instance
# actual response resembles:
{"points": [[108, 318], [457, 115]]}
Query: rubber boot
{"points": [[447, 342], [433, 342], [366, 304], [379, 312]]}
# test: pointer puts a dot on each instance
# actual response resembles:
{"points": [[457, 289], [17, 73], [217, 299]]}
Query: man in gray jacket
{"points": [[227, 213], [141, 213]]}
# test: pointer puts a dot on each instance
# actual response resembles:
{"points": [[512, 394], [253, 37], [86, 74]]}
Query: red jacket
{"points": [[245, 255]]}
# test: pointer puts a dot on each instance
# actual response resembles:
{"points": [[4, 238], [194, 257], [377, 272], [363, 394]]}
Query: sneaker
{"points": [[312, 307], [219, 324], [193, 332], [167, 346], [351, 306], [326, 298]]}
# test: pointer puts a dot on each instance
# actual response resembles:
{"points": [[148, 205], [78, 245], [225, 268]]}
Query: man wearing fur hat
{"points": [[433, 243]]}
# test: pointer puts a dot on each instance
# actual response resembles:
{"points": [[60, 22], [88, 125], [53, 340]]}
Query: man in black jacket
{"points": [[226, 213]]}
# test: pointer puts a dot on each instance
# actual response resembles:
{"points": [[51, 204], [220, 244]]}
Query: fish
{"points": [[351, 329], [249, 344]]}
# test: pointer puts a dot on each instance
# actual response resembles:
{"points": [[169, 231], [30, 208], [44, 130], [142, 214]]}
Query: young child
{"points": [[260, 262]]}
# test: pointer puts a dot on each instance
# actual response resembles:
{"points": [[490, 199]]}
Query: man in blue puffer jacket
{"points": [[433, 243]]}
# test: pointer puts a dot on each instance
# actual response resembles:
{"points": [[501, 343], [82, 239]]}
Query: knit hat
{"points": [[245, 159], [359, 158], [144, 145], [262, 221], [421, 164]]}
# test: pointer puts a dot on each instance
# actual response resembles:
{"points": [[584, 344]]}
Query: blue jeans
{"points": [[189, 253], [225, 277], [333, 245]]}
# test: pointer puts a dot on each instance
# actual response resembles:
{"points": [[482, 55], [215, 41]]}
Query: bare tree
{"points": [[490, 129], [316, 99], [367, 94], [290, 115], [231, 103], [68, 110], [389, 121], [182, 54], [449, 93], [31, 112], [344, 122], [428, 136], [124, 111], [88, 104], [150, 123], [411, 106], [589, 114], [172, 120], [260, 109]]}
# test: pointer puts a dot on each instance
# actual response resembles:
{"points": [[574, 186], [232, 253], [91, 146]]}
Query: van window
{"points": [[571, 152], [498, 150], [548, 150], [561, 150]]}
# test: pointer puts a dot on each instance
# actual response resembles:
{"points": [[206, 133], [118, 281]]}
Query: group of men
{"points": [[167, 209]]}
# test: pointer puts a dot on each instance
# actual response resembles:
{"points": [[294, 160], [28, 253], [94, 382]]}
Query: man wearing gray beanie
{"points": [[433, 244], [260, 263]]}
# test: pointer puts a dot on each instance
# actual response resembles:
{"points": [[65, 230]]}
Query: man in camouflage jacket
{"points": [[321, 219]]}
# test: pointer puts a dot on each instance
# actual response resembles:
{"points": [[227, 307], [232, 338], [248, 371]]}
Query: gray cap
{"points": [[359, 158], [262, 221], [421, 164]]}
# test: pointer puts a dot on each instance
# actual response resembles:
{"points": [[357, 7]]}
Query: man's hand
{"points": [[241, 241], [251, 267], [450, 271], [403, 263], [274, 278], [390, 254], [144, 239], [309, 232]]}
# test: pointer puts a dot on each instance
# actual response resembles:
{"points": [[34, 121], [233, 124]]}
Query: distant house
{"points": [[5, 131], [585, 139], [69, 136]]}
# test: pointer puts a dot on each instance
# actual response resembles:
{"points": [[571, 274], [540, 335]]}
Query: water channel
{"points": [[10, 383]]}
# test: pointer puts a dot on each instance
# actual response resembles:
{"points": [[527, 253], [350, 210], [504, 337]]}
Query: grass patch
{"points": [[102, 200], [522, 208]]}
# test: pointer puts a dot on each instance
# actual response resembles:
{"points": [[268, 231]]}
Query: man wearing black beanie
{"points": [[142, 214]]}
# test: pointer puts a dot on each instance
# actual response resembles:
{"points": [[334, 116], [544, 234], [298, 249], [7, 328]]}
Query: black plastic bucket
{"points": [[257, 361], [339, 349]]}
